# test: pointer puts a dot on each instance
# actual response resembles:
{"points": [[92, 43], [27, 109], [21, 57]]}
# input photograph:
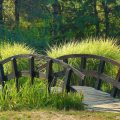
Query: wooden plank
{"points": [[115, 89], [96, 99], [100, 70], [82, 68], [90, 56], [42, 75], [66, 85], [24, 73], [15, 72], [31, 69], [2, 76], [49, 72], [75, 71], [103, 77], [65, 60]]}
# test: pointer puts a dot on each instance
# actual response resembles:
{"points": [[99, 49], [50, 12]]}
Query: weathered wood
{"points": [[31, 69], [82, 68], [98, 100], [90, 56], [42, 75], [66, 85], [65, 60], [100, 71], [49, 72], [81, 73], [115, 89], [2, 76], [15, 72], [103, 77], [59, 74], [64, 65]]}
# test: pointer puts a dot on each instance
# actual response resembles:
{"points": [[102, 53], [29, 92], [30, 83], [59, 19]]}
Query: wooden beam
{"points": [[100, 71], [2, 76], [15, 72], [31, 69], [49, 72]]}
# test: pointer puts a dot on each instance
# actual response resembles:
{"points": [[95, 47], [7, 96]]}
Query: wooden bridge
{"points": [[42, 66]]}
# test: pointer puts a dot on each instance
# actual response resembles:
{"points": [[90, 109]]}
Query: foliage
{"points": [[31, 35], [11, 49], [107, 48], [42, 25], [36, 96]]}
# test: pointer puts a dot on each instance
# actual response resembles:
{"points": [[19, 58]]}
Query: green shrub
{"points": [[107, 48], [9, 49], [36, 96]]}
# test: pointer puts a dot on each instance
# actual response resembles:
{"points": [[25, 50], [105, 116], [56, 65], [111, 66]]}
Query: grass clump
{"points": [[36, 96], [10, 49], [107, 48]]}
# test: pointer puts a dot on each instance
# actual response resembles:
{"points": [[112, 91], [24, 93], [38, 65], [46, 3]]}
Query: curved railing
{"points": [[67, 70], [98, 74], [32, 72]]}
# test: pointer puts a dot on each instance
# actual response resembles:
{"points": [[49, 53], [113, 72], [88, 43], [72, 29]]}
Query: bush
{"points": [[36, 96], [9, 49], [107, 48]]}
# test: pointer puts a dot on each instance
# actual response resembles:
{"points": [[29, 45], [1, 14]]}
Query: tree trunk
{"points": [[56, 11], [106, 12], [1, 12], [97, 18], [17, 11]]}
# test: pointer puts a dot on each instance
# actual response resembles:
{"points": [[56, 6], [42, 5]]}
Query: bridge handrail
{"points": [[32, 73], [90, 56], [99, 74]]}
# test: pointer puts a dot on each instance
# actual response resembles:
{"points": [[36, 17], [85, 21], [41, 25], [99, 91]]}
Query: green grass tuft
{"points": [[36, 96], [107, 48], [10, 49]]}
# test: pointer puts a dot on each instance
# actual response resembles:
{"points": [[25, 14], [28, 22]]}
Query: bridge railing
{"points": [[99, 73], [32, 72]]}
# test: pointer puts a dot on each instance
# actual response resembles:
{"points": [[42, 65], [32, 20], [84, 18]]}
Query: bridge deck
{"points": [[98, 100]]}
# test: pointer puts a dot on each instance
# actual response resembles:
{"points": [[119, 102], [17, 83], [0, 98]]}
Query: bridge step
{"points": [[98, 100]]}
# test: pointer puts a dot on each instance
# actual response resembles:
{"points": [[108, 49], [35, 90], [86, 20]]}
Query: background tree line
{"points": [[56, 21]]}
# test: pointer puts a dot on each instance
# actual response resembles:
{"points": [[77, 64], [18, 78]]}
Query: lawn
{"points": [[57, 115]]}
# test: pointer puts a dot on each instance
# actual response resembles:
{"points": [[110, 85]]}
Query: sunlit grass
{"points": [[102, 47], [107, 48], [10, 49], [36, 96]]}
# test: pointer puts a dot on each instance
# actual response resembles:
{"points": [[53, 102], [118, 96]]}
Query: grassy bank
{"points": [[57, 115]]}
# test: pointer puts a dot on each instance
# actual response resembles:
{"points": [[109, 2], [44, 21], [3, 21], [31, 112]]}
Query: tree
{"points": [[106, 14], [56, 20], [1, 11], [96, 16], [17, 11]]}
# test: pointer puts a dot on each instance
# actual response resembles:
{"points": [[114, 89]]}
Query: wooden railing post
{"points": [[115, 90], [82, 68], [2, 77], [100, 71], [66, 85], [65, 60], [49, 73], [31, 69], [15, 72]]}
